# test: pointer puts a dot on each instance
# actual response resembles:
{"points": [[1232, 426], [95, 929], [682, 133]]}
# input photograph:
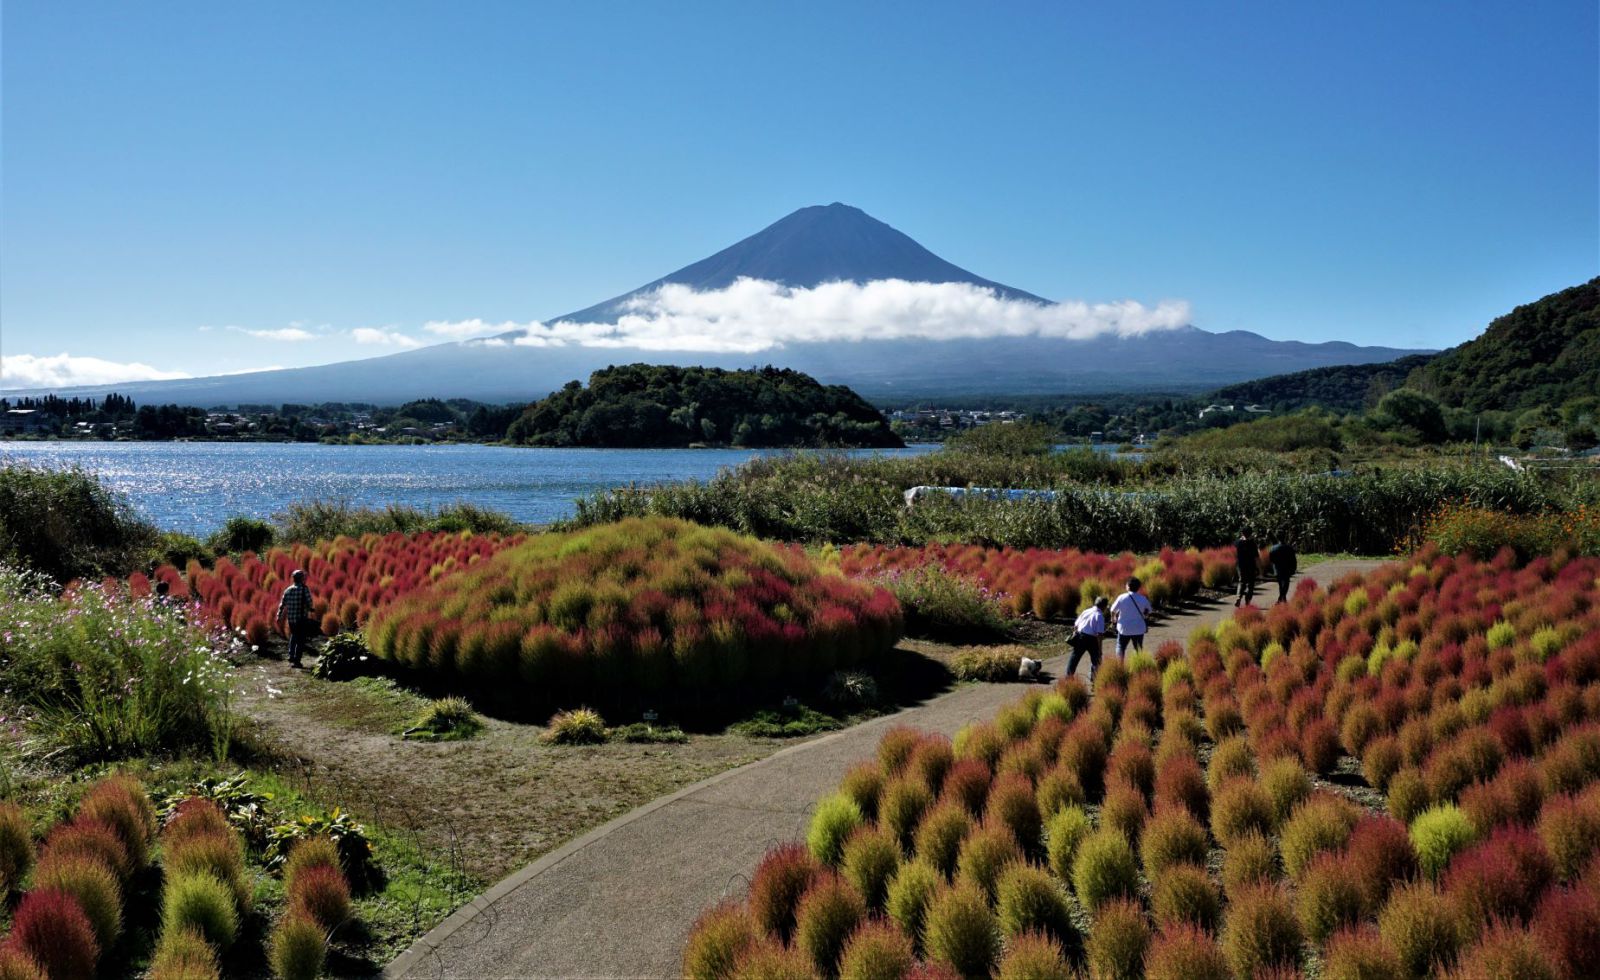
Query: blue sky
{"points": [[193, 186]]}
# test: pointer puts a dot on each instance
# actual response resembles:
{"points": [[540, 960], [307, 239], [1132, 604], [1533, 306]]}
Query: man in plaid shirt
{"points": [[295, 608]]}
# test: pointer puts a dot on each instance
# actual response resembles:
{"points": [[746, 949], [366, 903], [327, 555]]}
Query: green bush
{"points": [[870, 859], [829, 912], [109, 678], [911, 891], [184, 954], [16, 848], [1118, 942], [1063, 832], [202, 903], [960, 932], [297, 949], [1104, 869], [67, 525], [1261, 931], [1028, 900], [1185, 894], [1437, 834], [1419, 925], [834, 820], [1034, 957], [241, 534], [310, 521], [946, 607], [877, 951], [92, 884]]}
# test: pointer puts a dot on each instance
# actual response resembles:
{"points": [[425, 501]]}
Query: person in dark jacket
{"points": [[1283, 562], [294, 609], [1247, 559]]}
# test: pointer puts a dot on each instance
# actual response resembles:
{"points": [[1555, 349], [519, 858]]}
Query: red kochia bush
{"points": [[1499, 878], [1567, 923], [779, 881], [51, 928]]}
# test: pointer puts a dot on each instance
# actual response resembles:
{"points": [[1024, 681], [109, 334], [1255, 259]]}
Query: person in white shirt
{"points": [[1131, 613], [1091, 633]]}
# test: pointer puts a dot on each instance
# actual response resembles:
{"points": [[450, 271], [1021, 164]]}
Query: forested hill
{"points": [[1545, 353], [1343, 388], [647, 405]]}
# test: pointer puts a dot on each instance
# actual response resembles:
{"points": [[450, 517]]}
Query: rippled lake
{"points": [[195, 486]]}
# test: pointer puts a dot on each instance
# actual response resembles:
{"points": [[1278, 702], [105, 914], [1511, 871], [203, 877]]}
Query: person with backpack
{"points": [[1131, 612], [1088, 636], [294, 609], [1282, 562]]}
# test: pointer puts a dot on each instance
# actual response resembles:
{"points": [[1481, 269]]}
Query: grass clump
{"points": [[579, 726], [995, 664], [446, 720], [649, 733], [798, 722]]}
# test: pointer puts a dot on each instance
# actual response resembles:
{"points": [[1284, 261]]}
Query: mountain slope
{"points": [[1542, 353], [811, 246], [814, 245], [1342, 388]]}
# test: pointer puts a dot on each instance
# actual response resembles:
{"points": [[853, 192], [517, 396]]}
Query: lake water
{"points": [[195, 486]]}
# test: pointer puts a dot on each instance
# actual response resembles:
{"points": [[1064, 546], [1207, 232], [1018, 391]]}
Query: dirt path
{"points": [[619, 901]]}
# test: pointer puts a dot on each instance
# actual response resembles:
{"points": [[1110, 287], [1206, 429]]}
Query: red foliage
{"points": [[51, 928]]}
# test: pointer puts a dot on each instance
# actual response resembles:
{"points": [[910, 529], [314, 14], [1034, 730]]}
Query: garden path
{"points": [[619, 901]]}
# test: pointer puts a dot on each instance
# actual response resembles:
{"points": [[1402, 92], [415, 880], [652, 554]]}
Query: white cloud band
{"points": [[65, 370], [754, 315]]}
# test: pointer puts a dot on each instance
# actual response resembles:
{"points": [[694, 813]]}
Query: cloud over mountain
{"points": [[65, 370], [753, 315]]}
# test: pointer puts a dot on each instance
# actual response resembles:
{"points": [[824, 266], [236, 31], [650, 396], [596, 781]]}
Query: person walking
{"points": [[1089, 634], [1247, 560], [1282, 561], [294, 609], [1131, 612]]}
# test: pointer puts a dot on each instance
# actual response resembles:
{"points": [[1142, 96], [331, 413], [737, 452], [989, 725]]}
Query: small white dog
{"points": [[1029, 670]]}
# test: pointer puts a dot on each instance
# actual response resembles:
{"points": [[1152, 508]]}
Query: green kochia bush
{"points": [[834, 820], [638, 614]]}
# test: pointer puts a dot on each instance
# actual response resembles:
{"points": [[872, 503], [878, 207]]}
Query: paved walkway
{"points": [[619, 901]]}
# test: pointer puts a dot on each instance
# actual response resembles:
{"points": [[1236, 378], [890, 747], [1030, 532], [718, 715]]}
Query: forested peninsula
{"points": [[660, 406]]}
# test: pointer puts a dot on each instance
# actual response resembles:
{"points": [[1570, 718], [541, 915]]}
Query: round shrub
{"points": [[834, 820], [321, 894], [938, 839], [871, 857], [864, 784], [1437, 834], [579, 726], [1063, 833], [1287, 784], [1419, 926], [930, 761], [877, 951], [1506, 952], [298, 949], [1184, 894], [1328, 898], [1230, 758], [985, 853], [1567, 923], [1250, 860], [967, 783], [1012, 805], [1118, 942], [202, 903], [194, 817], [829, 912], [767, 959], [1570, 829], [1261, 931], [1498, 878], [1180, 782], [1322, 823], [961, 932], [1184, 952], [1361, 954], [218, 854], [709, 599], [1172, 836], [94, 838], [16, 964], [121, 803], [1381, 760], [1028, 899], [1057, 789], [1408, 794], [1378, 855], [1319, 745], [16, 847], [896, 747], [1034, 957], [1104, 869], [911, 891], [783, 875], [902, 805], [1124, 811], [92, 885], [1239, 807], [185, 955], [51, 929], [309, 852]]}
